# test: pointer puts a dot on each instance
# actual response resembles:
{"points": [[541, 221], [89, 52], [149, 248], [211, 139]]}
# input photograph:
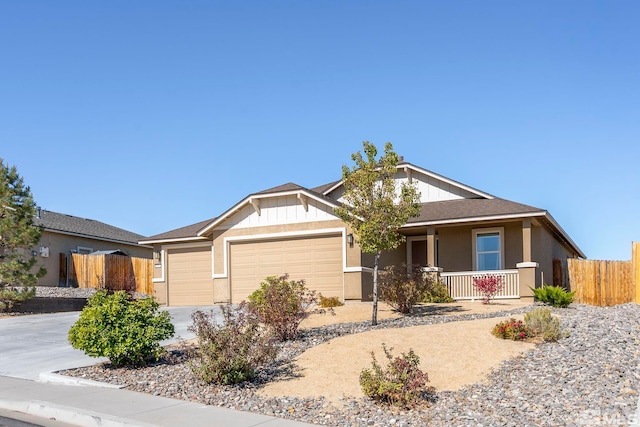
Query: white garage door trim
{"points": [[271, 236], [317, 259]]}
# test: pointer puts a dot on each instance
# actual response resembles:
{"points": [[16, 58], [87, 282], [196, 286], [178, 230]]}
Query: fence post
{"points": [[635, 268], [527, 278], [433, 272]]}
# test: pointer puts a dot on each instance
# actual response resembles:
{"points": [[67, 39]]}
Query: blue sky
{"points": [[152, 115]]}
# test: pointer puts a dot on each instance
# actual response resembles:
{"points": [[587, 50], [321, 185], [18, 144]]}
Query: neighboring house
{"points": [[66, 234], [461, 231]]}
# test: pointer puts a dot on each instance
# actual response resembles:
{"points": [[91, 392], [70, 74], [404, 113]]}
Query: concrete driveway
{"points": [[34, 344]]}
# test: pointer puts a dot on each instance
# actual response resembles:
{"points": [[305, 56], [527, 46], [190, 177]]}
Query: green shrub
{"points": [[282, 304], [12, 295], [230, 353], [401, 289], [401, 383], [553, 295], [438, 293], [512, 329], [543, 324], [126, 330], [329, 302]]}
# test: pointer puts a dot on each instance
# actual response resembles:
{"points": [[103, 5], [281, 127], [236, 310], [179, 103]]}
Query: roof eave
{"points": [[540, 214]]}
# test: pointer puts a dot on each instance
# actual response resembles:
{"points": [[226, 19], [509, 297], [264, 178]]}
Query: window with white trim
{"points": [[488, 252]]}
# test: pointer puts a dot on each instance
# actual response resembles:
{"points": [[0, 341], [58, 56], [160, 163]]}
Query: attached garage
{"points": [[317, 260], [189, 273]]}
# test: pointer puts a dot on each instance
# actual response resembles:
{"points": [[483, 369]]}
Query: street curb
{"points": [[50, 377], [69, 415]]}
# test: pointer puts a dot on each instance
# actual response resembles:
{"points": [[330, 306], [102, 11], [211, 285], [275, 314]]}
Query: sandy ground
{"points": [[453, 354]]}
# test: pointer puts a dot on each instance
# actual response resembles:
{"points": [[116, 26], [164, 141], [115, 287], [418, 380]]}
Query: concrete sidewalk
{"points": [[111, 407]]}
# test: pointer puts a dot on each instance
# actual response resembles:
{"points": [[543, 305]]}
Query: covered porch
{"points": [[459, 253]]}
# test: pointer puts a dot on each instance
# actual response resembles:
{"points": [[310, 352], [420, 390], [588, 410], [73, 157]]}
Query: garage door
{"points": [[189, 273], [317, 260]]}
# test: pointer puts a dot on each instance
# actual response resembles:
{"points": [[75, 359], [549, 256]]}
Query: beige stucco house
{"points": [[66, 234], [461, 232]]}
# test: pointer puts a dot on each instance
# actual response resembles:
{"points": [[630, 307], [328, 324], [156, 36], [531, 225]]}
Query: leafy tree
{"points": [[18, 234], [376, 206]]}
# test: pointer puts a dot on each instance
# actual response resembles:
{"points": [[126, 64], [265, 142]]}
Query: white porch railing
{"points": [[460, 284]]}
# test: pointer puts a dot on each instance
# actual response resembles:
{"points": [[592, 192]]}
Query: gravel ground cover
{"points": [[592, 377]]}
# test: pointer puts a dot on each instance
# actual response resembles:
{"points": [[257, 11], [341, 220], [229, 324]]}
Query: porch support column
{"points": [[527, 279], [526, 240], [431, 247]]}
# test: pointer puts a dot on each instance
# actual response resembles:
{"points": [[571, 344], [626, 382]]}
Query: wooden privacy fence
{"points": [[606, 283], [115, 272]]}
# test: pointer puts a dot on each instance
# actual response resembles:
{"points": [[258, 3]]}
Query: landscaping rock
{"points": [[592, 377]]}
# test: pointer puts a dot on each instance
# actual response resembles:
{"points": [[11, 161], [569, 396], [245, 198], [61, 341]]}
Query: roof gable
{"points": [[294, 196], [432, 186]]}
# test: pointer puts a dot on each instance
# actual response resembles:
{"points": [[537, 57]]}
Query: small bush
{"points": [[12, 295], [512, 329], [401, 383], [126, 330], [488, 285], [329, 302], [553, 295], [282, 304], [438, 293], [401, 289], [231, 352], [543, 324]]}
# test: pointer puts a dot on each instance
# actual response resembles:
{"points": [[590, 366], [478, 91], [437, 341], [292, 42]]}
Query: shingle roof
{"points": [[289, 186], [182, 232], [57, 222], [322, 188], [471, 208]]}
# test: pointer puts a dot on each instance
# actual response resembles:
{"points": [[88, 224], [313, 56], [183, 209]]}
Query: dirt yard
{"points": [[453, 354]]}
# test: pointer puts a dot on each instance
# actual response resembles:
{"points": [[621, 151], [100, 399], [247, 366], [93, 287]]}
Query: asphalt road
{"points": [[34, 344]]}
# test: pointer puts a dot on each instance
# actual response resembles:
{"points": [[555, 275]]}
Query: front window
{"points": [[488, 245]]}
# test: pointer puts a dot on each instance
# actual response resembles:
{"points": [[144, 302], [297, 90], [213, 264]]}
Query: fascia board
{"points": [[474, 219], [180, 239], [564, 234]]}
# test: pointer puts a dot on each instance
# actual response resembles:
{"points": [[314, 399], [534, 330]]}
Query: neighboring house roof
{"points": [[188, 232], [68, 224], [109, 252]]}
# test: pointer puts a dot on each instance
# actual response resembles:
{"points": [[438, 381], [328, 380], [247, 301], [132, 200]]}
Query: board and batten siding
{"points": [[431, 189], [279, 211]]}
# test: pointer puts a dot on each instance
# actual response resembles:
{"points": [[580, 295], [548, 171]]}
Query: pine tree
{"points": [[19, 235], [375, 206]]}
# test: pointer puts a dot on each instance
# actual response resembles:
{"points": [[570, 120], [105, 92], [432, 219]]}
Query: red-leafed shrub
{"points": [[488, 285], [512, 329]]}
